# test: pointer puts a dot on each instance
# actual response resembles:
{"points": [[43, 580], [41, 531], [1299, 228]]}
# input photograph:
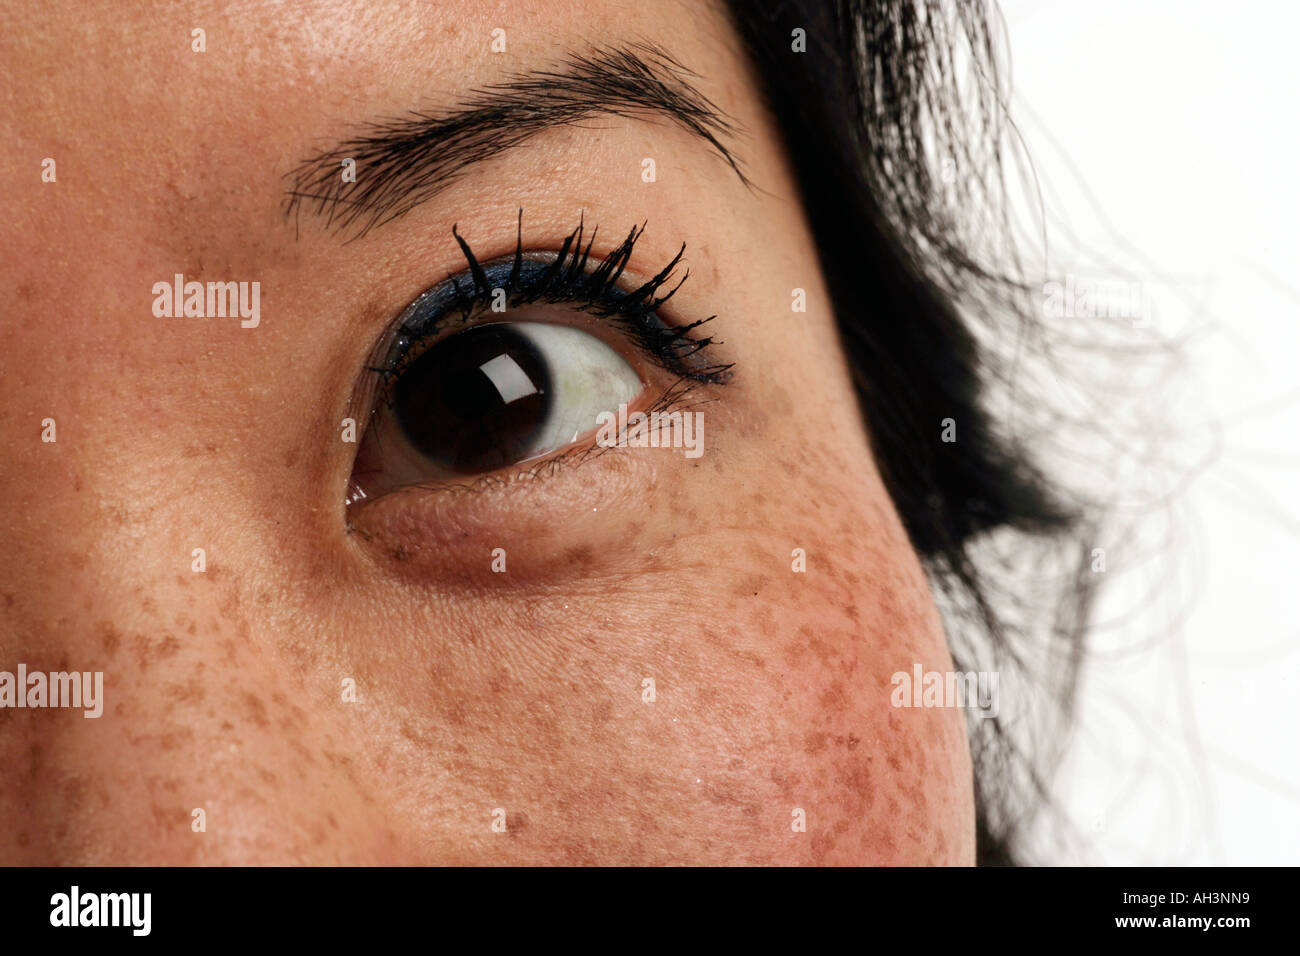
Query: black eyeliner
{"points": [[561, 278]]}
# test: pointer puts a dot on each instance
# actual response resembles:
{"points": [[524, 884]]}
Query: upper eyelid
{"points": [[559, 276]]}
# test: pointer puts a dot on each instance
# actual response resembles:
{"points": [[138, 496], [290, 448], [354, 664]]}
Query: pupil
{"points": [[475, 401]]}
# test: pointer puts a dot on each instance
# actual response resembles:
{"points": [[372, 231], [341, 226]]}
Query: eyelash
{"points": [[567, 280]]}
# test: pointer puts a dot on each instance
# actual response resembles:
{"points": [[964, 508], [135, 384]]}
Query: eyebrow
{"points": [[404, 162]]}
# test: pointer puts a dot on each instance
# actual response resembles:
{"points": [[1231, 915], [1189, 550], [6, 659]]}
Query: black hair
{"points": [[901, 168]]}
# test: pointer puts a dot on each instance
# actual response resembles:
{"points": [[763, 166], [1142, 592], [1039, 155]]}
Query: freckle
{"points": [[516, 822], [858, 781], [823, 650], [785, 783], [822, 844], [751, 659], [580, 556], [291, 721], [109, 638], [192, 692], [256, 709], [814, 743], [74, 793], [303, 752], [455, 713], [833, 698]]}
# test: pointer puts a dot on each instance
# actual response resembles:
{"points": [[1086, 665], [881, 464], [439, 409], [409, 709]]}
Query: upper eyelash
{"points": [[567, 279]]}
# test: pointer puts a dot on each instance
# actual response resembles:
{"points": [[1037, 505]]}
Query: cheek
{"points": [[779, 680], [714, 698], [876, 784]]}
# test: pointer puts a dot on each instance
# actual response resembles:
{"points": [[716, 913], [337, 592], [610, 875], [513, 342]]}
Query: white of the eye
{"points": [[587, 378]]}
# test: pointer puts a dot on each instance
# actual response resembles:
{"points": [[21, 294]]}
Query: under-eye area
{"points": [[529, 360]]}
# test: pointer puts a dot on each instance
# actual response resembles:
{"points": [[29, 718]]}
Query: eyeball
{"points": [[488, 397]]}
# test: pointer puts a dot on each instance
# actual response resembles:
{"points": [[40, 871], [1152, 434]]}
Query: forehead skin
{"points": [[475, 691]]}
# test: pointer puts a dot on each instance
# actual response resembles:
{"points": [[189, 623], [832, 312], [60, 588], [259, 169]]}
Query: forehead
{"points": [[272, 80], [175, 130]]}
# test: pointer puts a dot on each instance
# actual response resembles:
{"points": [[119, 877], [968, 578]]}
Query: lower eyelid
{"points": [[421, 530], [676, 397]]}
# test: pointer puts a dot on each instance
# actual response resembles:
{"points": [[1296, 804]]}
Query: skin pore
{"points": [[474, 690]]}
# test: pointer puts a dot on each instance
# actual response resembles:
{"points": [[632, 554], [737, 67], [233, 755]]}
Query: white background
{"points": [[1165, 134]]}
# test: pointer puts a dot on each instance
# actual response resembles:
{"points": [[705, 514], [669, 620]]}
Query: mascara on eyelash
{"points": [[566, 279]]}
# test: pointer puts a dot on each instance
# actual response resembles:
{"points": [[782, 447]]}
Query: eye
{"points": [[488, 397], [462, 394]]}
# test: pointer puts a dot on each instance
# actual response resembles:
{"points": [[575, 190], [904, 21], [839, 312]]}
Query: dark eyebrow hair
{"points": [[404, 162]]}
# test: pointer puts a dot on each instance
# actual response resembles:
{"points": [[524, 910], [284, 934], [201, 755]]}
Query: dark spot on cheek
{"points": [[256, 710], [187, 693], [455, 714], [834, 700], [579, 557], [109, 638], [516, 822], [785, 782], [749, 587], [822, 844]]}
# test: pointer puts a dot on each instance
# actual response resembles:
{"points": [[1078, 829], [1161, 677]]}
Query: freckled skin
{"points": [[474, 690]]}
